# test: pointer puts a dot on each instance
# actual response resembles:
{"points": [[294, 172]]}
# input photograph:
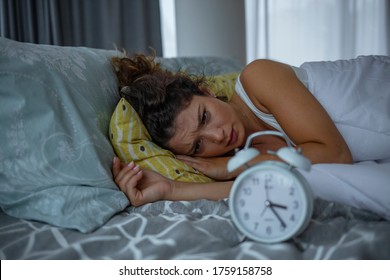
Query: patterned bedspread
{"points": [[197, 230]]}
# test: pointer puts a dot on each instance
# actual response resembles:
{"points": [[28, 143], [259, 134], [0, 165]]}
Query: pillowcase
{"points": [[132, 142], [223, 86], [55, 155]]}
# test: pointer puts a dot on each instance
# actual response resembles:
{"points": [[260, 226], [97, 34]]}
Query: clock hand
{"points": [[262, 212], [277, 216], [269, 205], [277, 205], [266, 202], [266, 191]]}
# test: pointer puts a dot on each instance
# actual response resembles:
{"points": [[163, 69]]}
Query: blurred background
{"points": [[291, 31]]}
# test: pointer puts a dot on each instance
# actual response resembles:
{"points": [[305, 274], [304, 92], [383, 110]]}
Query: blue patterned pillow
{"points": [[55, 156]]}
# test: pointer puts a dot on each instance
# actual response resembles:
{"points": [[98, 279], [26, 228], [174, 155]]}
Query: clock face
{"points": [[269, 203]]}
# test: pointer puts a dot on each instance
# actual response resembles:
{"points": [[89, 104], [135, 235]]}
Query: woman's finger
{"points": [[116, 166], [130, 183], [184, 158], [126, 173]]}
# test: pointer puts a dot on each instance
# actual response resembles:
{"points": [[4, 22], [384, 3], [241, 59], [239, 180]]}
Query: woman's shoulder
{"points": [[263, 69], [253, 82], [257, 64], [265, 74]]}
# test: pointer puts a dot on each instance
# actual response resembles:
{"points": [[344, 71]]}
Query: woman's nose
{"points": [[216, 135]]}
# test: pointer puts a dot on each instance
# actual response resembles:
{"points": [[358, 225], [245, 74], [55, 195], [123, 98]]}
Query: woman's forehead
{"points": [[185, 128], [187, 125]]}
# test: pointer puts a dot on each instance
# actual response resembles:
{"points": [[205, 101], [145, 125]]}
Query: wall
{"points": [[211, 28]]}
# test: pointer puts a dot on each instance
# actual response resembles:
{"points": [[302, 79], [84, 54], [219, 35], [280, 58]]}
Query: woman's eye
{"points": [[198, 145], [204, 117]]}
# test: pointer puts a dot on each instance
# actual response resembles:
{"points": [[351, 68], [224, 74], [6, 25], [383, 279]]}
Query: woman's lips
{"points": [[233, 137]]}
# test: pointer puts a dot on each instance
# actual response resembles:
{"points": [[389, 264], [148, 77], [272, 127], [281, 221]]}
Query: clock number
{"points": [[268, 230], [241, 202], [292, 191], [267, 181], [255, 181], [246, 216], [292, 218], [247, 191], [296, 204]]}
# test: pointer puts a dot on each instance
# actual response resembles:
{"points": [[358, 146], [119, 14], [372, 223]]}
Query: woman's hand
{"points": [[140, 186], [144, 186], [214, 167]]}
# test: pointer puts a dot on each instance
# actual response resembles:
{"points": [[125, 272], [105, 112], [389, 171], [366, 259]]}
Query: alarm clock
{"points": [[270, 201]]}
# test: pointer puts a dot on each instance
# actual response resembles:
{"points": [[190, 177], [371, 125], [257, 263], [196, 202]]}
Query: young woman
{"points": [[336, 112]]}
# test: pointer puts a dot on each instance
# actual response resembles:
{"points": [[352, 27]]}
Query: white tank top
{"points": [[267, 118], [356, 95]]}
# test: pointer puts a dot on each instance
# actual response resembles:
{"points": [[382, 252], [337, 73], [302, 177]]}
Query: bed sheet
{"points": [[197, 230]]}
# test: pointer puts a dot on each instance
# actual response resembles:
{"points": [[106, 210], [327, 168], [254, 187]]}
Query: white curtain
{"points": [[295, 31]]}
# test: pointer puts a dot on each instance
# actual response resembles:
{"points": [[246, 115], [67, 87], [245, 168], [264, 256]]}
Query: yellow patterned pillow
{"points": [[132, 142], [223, 85]]}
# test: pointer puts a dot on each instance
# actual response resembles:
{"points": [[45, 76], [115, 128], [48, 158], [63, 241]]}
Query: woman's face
{"points": [[208, 127]]}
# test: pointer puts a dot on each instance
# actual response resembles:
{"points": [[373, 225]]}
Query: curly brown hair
{"points": [[158, 95]]}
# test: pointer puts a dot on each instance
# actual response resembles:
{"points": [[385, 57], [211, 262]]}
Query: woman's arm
{"points": [[193, 191], [144, 186], [216, 167], [274, 88]]}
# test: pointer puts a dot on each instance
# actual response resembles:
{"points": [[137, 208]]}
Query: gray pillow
{"points": [[55, 155]]}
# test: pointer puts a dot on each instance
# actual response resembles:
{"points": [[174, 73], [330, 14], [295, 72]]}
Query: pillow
{"points": [[55, 154], [223, 86], [132, 141]]}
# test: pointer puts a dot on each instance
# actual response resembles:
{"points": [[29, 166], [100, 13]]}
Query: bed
{"points": [[58, 198]]}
